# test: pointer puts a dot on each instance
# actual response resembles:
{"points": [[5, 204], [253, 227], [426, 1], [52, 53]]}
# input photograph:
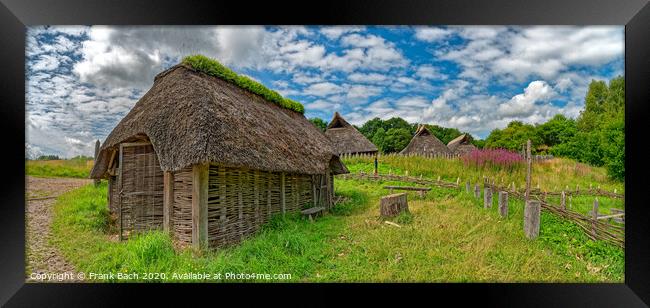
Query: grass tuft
{"points": [[214, 68]]}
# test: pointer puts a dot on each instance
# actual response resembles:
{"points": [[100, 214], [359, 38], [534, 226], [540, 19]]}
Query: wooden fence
{"points": [[596, 227]]}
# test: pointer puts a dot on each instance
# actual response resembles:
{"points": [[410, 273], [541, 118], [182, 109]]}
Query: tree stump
{"points": [[531, 219], [394, 204]]}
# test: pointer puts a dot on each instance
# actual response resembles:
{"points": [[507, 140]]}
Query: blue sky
{"points": [[82, 80]]}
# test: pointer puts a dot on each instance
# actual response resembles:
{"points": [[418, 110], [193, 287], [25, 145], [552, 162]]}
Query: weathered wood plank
{"points": [[531, 219], [487, 197], [503, 203], [408, 188]]}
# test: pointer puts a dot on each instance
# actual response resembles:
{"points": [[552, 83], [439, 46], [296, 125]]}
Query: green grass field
{"points": [[448, 237], [67, 168]]}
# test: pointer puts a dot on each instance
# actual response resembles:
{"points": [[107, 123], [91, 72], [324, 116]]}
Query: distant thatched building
{"points": [[461, 145], [346, 139], [211, 162], [426, 144]]}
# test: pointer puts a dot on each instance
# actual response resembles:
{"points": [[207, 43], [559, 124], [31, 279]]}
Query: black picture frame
{"points": [[15, 15]]}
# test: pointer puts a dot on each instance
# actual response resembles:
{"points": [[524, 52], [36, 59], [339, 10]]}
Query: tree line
{"points": [[596, 136]]}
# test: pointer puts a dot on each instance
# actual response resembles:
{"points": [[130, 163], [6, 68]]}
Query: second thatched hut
{"points": [[461, 145], [424, 143], [346, 139]]}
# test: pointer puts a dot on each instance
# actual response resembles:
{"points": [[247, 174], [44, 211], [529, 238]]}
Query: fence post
{"points": [[97, 181], [531, 219], [487, 197], [467, 187], [503, 203], [528, 170], [477, 191], [563, 200], [594, 218]]}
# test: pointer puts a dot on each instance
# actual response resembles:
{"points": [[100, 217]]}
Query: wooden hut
{"points": [[346, 139], [461, 145], [211, 162], [424, 143]]}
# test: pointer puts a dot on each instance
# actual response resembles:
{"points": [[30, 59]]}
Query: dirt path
{"points": [[41, 257]]}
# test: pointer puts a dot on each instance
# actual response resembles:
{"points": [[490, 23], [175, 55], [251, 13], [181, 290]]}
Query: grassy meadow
{"points": [[447, 237], [67, 168]]}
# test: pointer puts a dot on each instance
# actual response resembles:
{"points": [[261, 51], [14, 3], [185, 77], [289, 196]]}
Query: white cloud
{"points": [[46, 63], [333, 33], [524, 104], [428, 71], [323, 89], [372, 78], [428, 34]]}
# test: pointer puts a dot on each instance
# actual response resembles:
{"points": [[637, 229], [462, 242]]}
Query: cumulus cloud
{"points": [[333, 33], [522, 52], [523, 104], [431, 34]]}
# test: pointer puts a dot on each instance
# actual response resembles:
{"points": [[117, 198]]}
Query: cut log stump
{"points": [[394, 204]]}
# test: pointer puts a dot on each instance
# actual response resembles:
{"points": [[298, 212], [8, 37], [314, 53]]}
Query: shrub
{"points": [[214, 68]]}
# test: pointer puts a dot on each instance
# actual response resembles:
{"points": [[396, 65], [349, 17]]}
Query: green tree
{"points": [[378, 139], [318, 122], [513, 136], [557, 130], [396, 139]]}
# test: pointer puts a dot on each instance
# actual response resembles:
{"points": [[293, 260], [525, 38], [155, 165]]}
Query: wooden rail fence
{"points": [[597, 227]]}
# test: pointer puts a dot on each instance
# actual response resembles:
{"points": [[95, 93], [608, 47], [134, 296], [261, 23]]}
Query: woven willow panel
{"points": [[142, 189], [113, 195], [181, 218], [240, 201]]}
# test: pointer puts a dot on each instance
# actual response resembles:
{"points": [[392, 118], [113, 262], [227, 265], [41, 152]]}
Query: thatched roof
{"points": [[191, 117], [346, 139], [461, 145], [425, 143]]}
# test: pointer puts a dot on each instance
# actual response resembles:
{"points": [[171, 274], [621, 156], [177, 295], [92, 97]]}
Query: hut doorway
{"points": [[140, 186]]}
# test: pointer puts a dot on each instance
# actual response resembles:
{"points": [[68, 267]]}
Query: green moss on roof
{"points": [[214, 68]]}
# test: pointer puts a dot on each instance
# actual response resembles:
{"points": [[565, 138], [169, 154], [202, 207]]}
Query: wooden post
{"points": [[376, 165], [200, 205], [563, 200], [503, 203], [313, 189], [477, 191], [531, 219], [487, 197], [467, 187], [168, 200], [96, 181], [529, 163], [283, 200], [594, 219], [119, 190]]}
